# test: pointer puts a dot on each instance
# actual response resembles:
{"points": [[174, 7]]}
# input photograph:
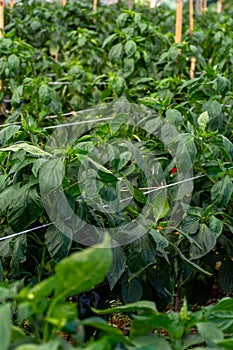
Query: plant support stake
{"points": [[1, 18], [179, 10], [1, 25], [191, 28], [219, 6]]}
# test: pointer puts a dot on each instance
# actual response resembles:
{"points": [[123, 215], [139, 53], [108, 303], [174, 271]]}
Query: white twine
{"points": [[151, 189], [60, 115]]}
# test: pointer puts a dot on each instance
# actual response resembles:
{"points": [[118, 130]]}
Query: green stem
{"points": [[42, 264]]}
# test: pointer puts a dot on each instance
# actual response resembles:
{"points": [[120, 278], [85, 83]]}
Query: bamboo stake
{"points": [[179, 13], [94, 5], [192, 67], [95, 8], [11, 4], [191, 17], [191, 28], [1, 18], [130, 4], [199, 7], [1, 26], [219, 6], [204, 6]]}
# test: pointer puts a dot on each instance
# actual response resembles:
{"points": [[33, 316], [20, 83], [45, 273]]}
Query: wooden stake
{"points": [[199, 7], [1, 18], [192, 67], [191, 17], [11, 4], [204, 5], [1, 26], [130, 4], [179, 14], [219, 6], [191, 28], [95, 8], [94, 5]]}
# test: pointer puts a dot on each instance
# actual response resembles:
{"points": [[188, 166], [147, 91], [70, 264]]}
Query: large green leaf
{"points": [[206, 239], [130, 48], [7, 133], [36, 151], [83, 270], [142, 305], [115, 52], [118, 266], [52, 345], [221, 191], [210, 333], [51, 175], [152, 342], [25, 208], [5, 326], [57, 243]]}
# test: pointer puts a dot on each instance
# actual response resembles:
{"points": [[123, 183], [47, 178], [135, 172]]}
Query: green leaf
{"points": [[213, 108], [17, 96], [117, 121], [109, 39], [120, 85], [160, 206], [7, 133], [223, 308], [58, 244], [152, 342], [40, 290], [44, 94], [160, 240], [142, 305], [224, 84], [139, 196], [103, 325], [107, 177], [226, 343], [17, 334], [51, 175], [36, 151], [130, 48], [26, 207], [190, 224], [131, 291], [13, 62], [210, 333], [221, 192], [115, 52], [52, 345], [215, 226], [203, 120], [206, 239], [82, 271], [5, 326], [174, 117], [228, 146], [118, 266], [225, 276], [189, 262], [128, 67], [121, 20]]}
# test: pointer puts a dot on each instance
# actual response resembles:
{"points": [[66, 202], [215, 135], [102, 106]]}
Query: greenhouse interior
{"points": [[116, 174]]}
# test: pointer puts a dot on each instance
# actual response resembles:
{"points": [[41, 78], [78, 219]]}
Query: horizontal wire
{"points": [[104, 206], [26, 231], [63, 115], [78, 123]]}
